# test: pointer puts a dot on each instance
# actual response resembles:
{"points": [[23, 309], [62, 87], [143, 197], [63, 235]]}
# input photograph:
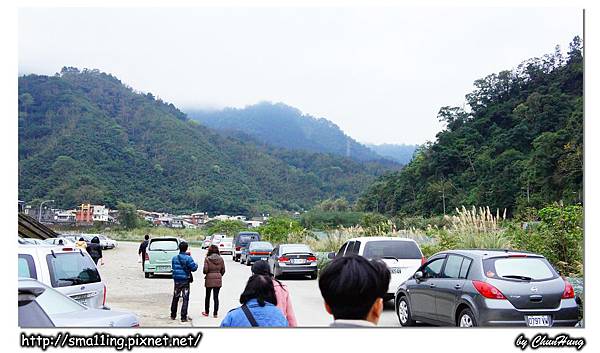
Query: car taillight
{"points": [[147, 257], [311, 258], [488, 291], [517, 255], [67, 249], [569, 292], [136, 325], [221, 244], [283, 259], [423, 260], [104, 297], [237, 248]]}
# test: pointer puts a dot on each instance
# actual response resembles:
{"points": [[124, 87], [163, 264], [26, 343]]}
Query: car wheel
{"points": [[403, 312], [313, 275], [147, 274], [466, 319], [248, 262]]}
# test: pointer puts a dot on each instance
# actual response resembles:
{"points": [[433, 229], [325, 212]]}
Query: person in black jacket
{"points": [[143, 248], [95, 250]]}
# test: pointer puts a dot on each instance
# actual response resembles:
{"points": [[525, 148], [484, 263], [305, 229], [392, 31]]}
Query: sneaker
{"points": [[184, 319], [173, 317], [204, 314], [215, 316]]}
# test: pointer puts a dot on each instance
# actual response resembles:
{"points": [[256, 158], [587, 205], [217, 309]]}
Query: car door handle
{"points": [[431, 285], [457, 286]]}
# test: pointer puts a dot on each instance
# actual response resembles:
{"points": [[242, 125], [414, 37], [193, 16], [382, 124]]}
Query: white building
{"points": [[100, 213]]}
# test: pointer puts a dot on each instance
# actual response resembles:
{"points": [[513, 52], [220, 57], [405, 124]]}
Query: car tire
{"points": [[466, 319], [403, 312], [313, 275], [248, 262], [147, 274]]}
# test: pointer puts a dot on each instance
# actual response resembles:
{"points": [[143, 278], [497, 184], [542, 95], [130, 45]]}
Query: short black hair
{"points": [[350, 285], [146, 237], [183, 246], [261, 288]]}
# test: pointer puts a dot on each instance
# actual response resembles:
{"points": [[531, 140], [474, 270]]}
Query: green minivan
{"points": [[159, 255]]}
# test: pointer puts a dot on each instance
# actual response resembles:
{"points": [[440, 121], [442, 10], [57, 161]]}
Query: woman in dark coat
{"points": [[95, 250], [214, 269]]}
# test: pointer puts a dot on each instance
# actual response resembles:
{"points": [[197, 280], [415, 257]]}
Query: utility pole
{"points": [[40, 214]]}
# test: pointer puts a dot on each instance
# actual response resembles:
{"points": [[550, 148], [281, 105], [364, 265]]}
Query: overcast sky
{"points": [[381, 74]]}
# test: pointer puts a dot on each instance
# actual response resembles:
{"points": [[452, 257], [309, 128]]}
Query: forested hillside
{"points": [[86, 137], [284, 126], [518, 145], [399, 153]]}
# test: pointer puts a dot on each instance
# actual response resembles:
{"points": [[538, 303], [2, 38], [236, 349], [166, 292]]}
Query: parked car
{"points": [[402, 256], [69, 270], [33, 241], [43, 306], [256, 250], [469, 288], [159, 254], [57, 241], [215, 239], [206, 243], [106, 242], [226, 246], [293, 258], [243, 239]]}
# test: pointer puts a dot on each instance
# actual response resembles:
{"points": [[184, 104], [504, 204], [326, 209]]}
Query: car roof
{"points": [[164, 238], [379, 238], [488, 253]]}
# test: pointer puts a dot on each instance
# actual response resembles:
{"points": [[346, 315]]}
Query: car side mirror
{"points": [[418, 275], [331, 255]]}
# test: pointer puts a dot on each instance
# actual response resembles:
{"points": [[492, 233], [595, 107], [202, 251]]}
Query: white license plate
{"points": [[82, 301], [298, 261], [163, 268], [538, 321]]}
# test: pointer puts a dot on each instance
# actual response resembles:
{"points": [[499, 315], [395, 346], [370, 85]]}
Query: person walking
{"points": [[214, 269], [81, 243], [284, 302], [143, 248], [95, 250], [183, 265], [258, 306]]}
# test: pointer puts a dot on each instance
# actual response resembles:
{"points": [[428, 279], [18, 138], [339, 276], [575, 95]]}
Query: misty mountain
{"points": [[283, 126], [398, 153]]}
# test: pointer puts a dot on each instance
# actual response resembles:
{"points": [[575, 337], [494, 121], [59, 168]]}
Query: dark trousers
{"points": [[216, 298], [182, 289], [143, 260]]}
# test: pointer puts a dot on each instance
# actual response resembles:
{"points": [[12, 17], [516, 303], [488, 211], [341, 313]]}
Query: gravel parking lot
{"points": [[150, 298]]}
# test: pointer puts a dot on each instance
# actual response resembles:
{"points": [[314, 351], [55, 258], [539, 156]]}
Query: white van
{"points": [[67, 269], [402, 256]]}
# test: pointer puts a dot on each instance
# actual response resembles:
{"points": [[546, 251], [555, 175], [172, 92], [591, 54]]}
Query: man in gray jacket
{"points": [[353, 289]]}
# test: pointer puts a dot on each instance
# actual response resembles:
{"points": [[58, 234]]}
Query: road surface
{"points": [[150, 298]]}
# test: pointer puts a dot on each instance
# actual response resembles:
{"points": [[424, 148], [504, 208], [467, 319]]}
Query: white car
{"points": [[402, 256], [215, 239], [106, 242], [67, 269], [42, 306], [226, 246], [57, 241]]}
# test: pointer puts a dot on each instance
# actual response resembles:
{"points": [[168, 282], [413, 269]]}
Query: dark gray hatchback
{"points": [[487, 288]]}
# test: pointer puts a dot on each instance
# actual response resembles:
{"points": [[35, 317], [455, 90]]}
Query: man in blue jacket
{"points": [[183, 265]]}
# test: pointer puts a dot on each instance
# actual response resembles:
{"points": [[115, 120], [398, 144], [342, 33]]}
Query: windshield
{"points": [[295, 248], [245, 239], [261, 245], [165, 245], [519, 268], [392, 249], [69, 269]]}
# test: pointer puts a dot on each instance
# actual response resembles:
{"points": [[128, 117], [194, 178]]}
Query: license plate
{"points": [[163, 268], [538, 321], [298, 261], [82, 301]]}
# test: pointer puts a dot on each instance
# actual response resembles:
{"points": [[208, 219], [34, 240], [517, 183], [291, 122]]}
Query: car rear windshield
{"points": [[226, 240], [69, 269], [260, 245], [287, 249], [392, 249], [167, 245], [245, 239], [519, 268]]}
